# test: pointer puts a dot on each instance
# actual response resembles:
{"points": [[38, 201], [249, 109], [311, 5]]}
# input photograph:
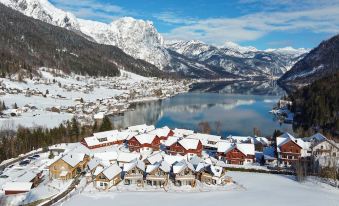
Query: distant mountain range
{"points": [[320, 62], [141, 40]]}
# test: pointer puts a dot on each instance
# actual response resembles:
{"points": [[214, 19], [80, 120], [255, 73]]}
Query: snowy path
{"points": [[261, 190]]}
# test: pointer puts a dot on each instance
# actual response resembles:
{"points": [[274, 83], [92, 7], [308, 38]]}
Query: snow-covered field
{"points": [[258, 190]]}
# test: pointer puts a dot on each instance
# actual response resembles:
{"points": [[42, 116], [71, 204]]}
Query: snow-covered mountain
{"points": [[141, 40], [44, 11], [320, 62], [137, 38], [240, 60]]}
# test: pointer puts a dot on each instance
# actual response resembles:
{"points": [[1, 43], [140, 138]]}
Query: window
{"points": [[101, 184]]}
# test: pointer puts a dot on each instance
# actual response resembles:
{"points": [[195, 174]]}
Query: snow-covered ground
{"points": [[258, 190], [52, 97]]}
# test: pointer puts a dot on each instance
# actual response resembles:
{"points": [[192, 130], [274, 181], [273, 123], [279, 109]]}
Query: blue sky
{"points": [[260, 23]]}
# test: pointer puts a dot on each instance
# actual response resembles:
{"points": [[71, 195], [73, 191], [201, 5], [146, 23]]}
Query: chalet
{"points": [[110, 157], [269, 156], [186, 147], [103, 139], [291, 149], [68, 166], [169, 142], [109, 177], [184, 174], [11, 188], [324, 151], [233, 153], [31, 176], [157, 174], [214, 175], [144, 142], [163, 133], [134, 173], [208, 141]]}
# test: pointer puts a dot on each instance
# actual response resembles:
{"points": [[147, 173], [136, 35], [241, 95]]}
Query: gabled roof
{"points": [[73, 158], [136, 163], [318, 137], [286, 137], [205, 137], [93, 163], [189, 143], [17, 186], [225, 146], [171, 140], [161, 132], [180, 166], [112, 171], [155, 157], [246, 148], [145, 138], [98, 170]]}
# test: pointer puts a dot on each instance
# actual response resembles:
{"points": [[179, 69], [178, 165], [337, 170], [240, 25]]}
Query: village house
{"points": [[291, 149], [144, 143], [182, 132], [155, 157], [68, 166], [126, 157], [35, 177], [134, 173], [184, 174], [103, 139], [236, 153], [109, 177], [163, 133], [186, 147], [214, 175], [157, 174]]}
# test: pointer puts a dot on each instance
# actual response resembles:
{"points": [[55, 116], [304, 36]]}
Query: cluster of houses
{"points": [[63, 87]]}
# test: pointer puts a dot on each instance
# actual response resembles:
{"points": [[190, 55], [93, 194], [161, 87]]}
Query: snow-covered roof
{"points": [[182, 132], [241, 139], [17, 186], [73, 158], [171, 140], [318, 137], [112, 155], [246, 148], [205, 137], [141, 128], [136, 163], [93, 163], [180, 166], [286, 137], [127, 157], [27, 177], [145, 138], [161, 132], [171, 159], [98, 170], [155, 157], [112, 171], [189, 143], [224, 146]]}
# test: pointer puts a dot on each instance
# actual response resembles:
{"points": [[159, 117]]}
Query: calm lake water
{"points": [[238, 106]]}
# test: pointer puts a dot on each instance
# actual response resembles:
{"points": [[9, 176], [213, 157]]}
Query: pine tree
{"points": [[74, 128], [15, 106], [106, 125]]}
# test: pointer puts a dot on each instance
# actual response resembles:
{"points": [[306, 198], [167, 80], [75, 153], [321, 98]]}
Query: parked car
{"points": [[3, 176], [31, 158], [24, 162], [10, 166], [36, 156]]}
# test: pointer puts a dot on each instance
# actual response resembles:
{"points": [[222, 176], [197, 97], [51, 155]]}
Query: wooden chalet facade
{"points": [[134, 173], [68, 166], [238, 154], [183, 174], [109, 177], [290, 152], [189, 147], [144, 142], [158, 174]]}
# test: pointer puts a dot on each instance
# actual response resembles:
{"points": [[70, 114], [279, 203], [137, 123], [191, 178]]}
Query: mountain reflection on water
{"points": [[238, 106]]}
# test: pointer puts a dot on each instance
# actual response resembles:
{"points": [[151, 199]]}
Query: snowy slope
{"points": [[44, 11], [137, 38]]}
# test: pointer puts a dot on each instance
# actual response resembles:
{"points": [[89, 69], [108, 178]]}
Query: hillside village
{"points": [[56, 96], [145, 158]]}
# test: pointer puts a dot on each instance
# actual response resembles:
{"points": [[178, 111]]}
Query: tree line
{"points": [[15, 142]]}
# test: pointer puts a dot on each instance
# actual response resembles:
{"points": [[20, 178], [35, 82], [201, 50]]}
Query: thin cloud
{"points": [[253, 26], [172, 18]]}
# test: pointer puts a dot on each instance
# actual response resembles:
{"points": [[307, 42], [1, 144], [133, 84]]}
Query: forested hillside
{"points": [[317, 105], [27, 43]]}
